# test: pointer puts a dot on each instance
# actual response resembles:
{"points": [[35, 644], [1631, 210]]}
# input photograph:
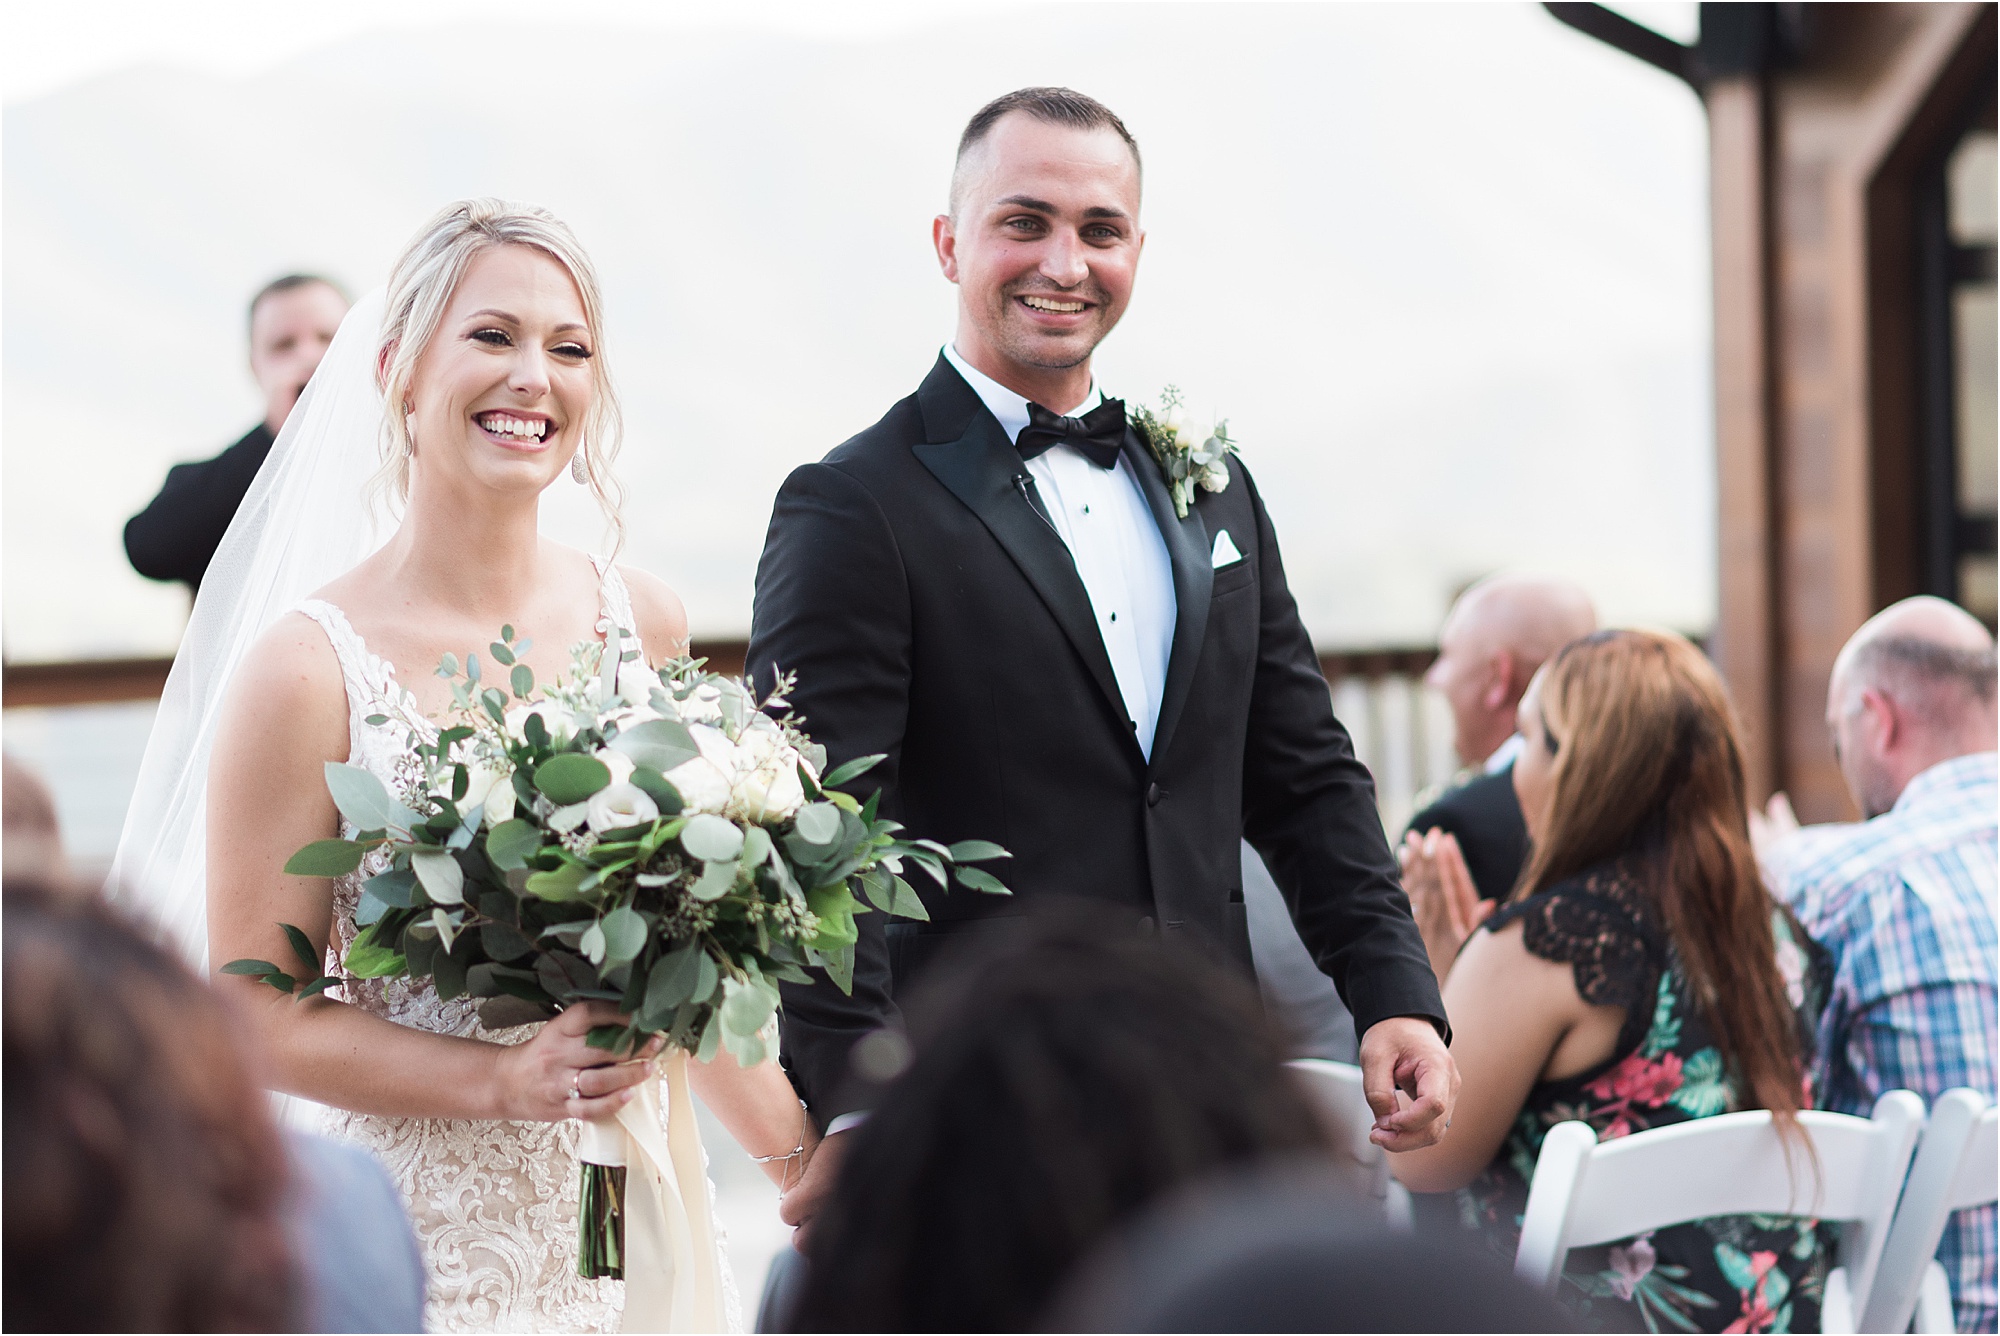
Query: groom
{"points": [[991, 588]]}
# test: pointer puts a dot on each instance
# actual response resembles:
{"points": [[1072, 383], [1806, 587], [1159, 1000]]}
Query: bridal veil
{"points": [[306, 519]]}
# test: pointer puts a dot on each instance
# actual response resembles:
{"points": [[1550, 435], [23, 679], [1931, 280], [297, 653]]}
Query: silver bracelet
{"points": [[792, 1154]]}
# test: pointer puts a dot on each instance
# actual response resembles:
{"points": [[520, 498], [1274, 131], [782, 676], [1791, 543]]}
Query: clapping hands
{"points": [[1443, 899]]}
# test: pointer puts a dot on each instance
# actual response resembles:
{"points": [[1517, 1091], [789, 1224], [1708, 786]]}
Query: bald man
{"points": [[1904, 900], [1498, 633]]}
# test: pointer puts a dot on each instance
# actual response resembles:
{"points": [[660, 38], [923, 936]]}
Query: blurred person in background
{"points": [[1285, 1246], [292, 320], [1497, 635], [1066, 1072], [1640, 975], [31, 841], [145, 1177], [147, 1185], [1904, 900]]}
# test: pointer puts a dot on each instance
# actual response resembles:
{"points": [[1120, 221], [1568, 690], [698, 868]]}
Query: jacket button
{"points": [[1153, 795]]}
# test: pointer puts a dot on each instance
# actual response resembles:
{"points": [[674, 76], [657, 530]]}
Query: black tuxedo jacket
{"points": [[932, 613], [177, 533], [1486, 817]]}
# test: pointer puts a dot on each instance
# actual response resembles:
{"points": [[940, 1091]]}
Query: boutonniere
{"points": [[1188, 452]]}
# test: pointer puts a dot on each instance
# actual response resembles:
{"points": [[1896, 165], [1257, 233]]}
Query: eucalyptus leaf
{"points": [[396, 888], [561, 884], [655, 786], [369, 959], [503, 941], [711, 838], [592, 943], [818, 823], [443, 880], [359, 795], [368, 909], [706, 977], [522, 679], [510, 844], [907, 903], [448, 976], [715, 881], [447, 929], [326, 858], [252, 968], [672, 983], [757, 846], [853, 769], [980, 880], [302, 947], [658, 744], [711, 1038], [977, 851], [571, 777], [501, 654], [624, 934], [746, 1006]]}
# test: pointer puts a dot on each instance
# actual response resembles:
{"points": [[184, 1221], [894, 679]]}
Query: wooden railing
{"points": [[1399, 730]]}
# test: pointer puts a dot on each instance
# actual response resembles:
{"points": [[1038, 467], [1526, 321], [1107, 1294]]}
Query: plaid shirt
{"points": [[1905, 903]]}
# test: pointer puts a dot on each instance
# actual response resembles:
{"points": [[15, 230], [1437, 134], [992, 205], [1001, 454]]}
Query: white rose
{"points": [[619, 805], [759, 739], [636, 681], [500, 802], [618, 763], [1215, 477], [770, 792], [704, 782]]}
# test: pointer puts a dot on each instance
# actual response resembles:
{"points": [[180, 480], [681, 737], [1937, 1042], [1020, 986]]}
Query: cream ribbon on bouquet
{"points": [[673, 1269]]}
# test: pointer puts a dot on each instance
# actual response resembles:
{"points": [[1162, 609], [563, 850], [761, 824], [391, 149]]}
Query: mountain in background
{"points": [[1444, 268]]}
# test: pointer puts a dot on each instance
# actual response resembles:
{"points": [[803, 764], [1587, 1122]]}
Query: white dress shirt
{"points": [[1120, 554]]}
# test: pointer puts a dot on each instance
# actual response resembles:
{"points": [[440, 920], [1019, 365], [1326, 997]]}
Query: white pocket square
{"points": [[1225, 552]]}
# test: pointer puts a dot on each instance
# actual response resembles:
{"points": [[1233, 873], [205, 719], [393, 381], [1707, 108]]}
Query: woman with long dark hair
{"points": [[1639, 975]]}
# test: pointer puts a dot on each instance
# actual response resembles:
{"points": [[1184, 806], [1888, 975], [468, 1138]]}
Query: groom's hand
{"points": [[799, 1205], [1404, 1053]]}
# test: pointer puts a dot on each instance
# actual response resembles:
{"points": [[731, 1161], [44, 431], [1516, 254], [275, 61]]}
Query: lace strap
{"points": [[1614, 954], [615, 605], [348, 647]]}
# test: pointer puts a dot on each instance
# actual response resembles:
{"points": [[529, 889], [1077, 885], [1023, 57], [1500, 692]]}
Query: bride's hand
{"points": [[534, 1080]]}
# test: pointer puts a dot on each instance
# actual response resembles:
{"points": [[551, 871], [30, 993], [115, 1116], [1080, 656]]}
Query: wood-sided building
{"points": [[1853, 216]]}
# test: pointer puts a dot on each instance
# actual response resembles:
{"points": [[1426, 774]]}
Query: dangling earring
{"points": [[578, 469]]}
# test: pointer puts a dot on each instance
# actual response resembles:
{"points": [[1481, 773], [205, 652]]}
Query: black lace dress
{"points": [[1733, 1273]]}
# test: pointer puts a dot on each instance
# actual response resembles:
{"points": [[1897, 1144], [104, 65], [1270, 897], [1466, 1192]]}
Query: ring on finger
{"points": [[575, 1085]]}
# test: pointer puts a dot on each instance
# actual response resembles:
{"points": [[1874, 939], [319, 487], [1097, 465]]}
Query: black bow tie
{"points": [[1098, 434]]}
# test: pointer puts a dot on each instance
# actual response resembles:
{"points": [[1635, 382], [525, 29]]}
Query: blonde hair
{"points": [[421, 287]]}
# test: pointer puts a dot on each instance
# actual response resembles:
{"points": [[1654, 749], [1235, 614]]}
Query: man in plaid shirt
{"points": [[1905, 899]]}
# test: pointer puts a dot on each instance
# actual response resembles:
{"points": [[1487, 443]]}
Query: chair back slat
{"points": [[1731, 1164], [1955, 1168]]}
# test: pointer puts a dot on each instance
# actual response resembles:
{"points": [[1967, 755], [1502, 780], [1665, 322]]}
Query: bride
{"points": [[490, 366]]}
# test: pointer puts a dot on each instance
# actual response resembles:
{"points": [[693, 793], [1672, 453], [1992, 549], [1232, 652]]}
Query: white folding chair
{"points": [[1957, 1166], [1336, 1087], [1587, 1193]]}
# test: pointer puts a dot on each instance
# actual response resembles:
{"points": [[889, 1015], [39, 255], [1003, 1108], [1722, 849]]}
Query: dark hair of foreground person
{"points": [[1064, 1076], [144, 1174], [1290, 1247]]}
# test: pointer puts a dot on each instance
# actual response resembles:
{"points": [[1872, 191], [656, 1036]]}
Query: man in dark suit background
{"points": [[1498, 633], [991, 588], [292, 321]]}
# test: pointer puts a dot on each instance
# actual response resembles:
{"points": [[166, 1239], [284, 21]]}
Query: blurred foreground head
{"points": [[1285, 1247], [1913, 688], [1494, 638], [1063, 1077], [30, 839], [143, 1171]]}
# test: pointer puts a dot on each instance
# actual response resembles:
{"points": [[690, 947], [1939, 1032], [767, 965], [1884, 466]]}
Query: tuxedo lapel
{"points": [[966, 450], [1187, 549]]}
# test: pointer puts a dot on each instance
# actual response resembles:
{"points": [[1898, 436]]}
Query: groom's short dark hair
{"points": [[1057, 106]]}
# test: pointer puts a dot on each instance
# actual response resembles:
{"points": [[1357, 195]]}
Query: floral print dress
{"points": [[1731, 1273]]}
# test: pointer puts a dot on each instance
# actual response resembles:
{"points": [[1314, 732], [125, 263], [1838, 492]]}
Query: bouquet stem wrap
{"points": [[673, 1278]]}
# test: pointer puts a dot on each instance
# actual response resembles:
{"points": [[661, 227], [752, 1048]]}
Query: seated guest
{"points": [[1061, 1079], [147, 1186], [1496, 636], [1639, 976], [31, 841], [292, 320], [1904, 900]]}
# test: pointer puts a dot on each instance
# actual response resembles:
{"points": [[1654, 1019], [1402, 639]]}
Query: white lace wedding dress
{"points": [[494, 1204]]}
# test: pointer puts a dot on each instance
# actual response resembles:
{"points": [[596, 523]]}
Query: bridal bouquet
{"points": [[655, 840]]}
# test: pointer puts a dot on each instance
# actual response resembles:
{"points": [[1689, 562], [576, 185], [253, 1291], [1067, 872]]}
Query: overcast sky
{"points": [[1443, 266]]}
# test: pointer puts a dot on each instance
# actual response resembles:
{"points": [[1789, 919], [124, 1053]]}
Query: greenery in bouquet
{"points": [[660, 840]]}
